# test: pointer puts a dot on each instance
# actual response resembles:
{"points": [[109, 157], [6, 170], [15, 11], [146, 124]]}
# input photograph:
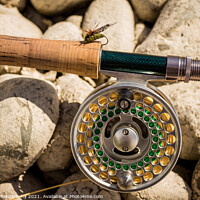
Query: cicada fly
{"points": [[95, 34]]}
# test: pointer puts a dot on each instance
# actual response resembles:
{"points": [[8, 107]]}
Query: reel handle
{"points": [[64, 56]]}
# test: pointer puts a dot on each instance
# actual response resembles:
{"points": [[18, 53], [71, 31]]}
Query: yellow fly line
{"points": [[49, 188]]}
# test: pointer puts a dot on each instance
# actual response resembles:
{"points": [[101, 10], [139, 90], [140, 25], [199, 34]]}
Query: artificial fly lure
{"points": [[95, 34]]}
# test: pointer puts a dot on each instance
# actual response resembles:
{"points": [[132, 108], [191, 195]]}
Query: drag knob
{"points": [[125, 181]]}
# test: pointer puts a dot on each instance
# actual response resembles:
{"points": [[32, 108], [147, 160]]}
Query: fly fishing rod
{"points": [[88, 59], [126, 135]]}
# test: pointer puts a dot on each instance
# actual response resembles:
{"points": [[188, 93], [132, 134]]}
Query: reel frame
{"points": [[132, 175]]}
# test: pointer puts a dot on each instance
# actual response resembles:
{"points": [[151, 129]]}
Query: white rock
{"points": [[22, 184], [9, 69], [148, 10], [13, 23], [72, 91], [75, 19], [175, 31], [28, 116], [52, 7], [186, 99], [196, 182], [20, 4], [63, 31], [33, 73], [121, 35], [84, 188], [171, 187]]}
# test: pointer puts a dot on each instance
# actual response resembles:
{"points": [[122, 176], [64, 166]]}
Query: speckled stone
{"points": [[175, 31], [29, 111], [185, 97]]}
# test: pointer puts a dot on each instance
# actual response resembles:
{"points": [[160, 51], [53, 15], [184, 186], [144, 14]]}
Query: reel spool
{"points": [[126, 136]]}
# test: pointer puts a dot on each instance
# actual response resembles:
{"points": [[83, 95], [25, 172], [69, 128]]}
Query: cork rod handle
{"points": [[57, 55]]}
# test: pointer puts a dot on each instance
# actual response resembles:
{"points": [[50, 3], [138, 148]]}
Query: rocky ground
{"points": [[37, 107]]}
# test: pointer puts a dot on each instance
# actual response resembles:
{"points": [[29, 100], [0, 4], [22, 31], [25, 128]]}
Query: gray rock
{"points": [[63, 31], [148, 10], [170, 188], [196, 182], [52, 7], [121, 35], [20, 4], [84, 188], [186, 100], [14, 24], [75, 19], [175, 31], [28, 116], [20, 185], [72, 92]]}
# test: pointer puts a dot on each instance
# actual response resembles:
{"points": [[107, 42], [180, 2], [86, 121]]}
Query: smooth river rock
{"points": [[52, 7], [170, 188], [121, 35], [185, 97], [29, 111], [13, 23], [175, 31], [84, 188], [75, 19], [72, 91], [63, 31], [148, 10]]}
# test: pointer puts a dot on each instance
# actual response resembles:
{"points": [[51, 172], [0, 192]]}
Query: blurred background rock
{"points": [[159, 27]]}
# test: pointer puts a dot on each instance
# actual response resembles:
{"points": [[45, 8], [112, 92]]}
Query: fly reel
{"points": [[126, 136]]}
